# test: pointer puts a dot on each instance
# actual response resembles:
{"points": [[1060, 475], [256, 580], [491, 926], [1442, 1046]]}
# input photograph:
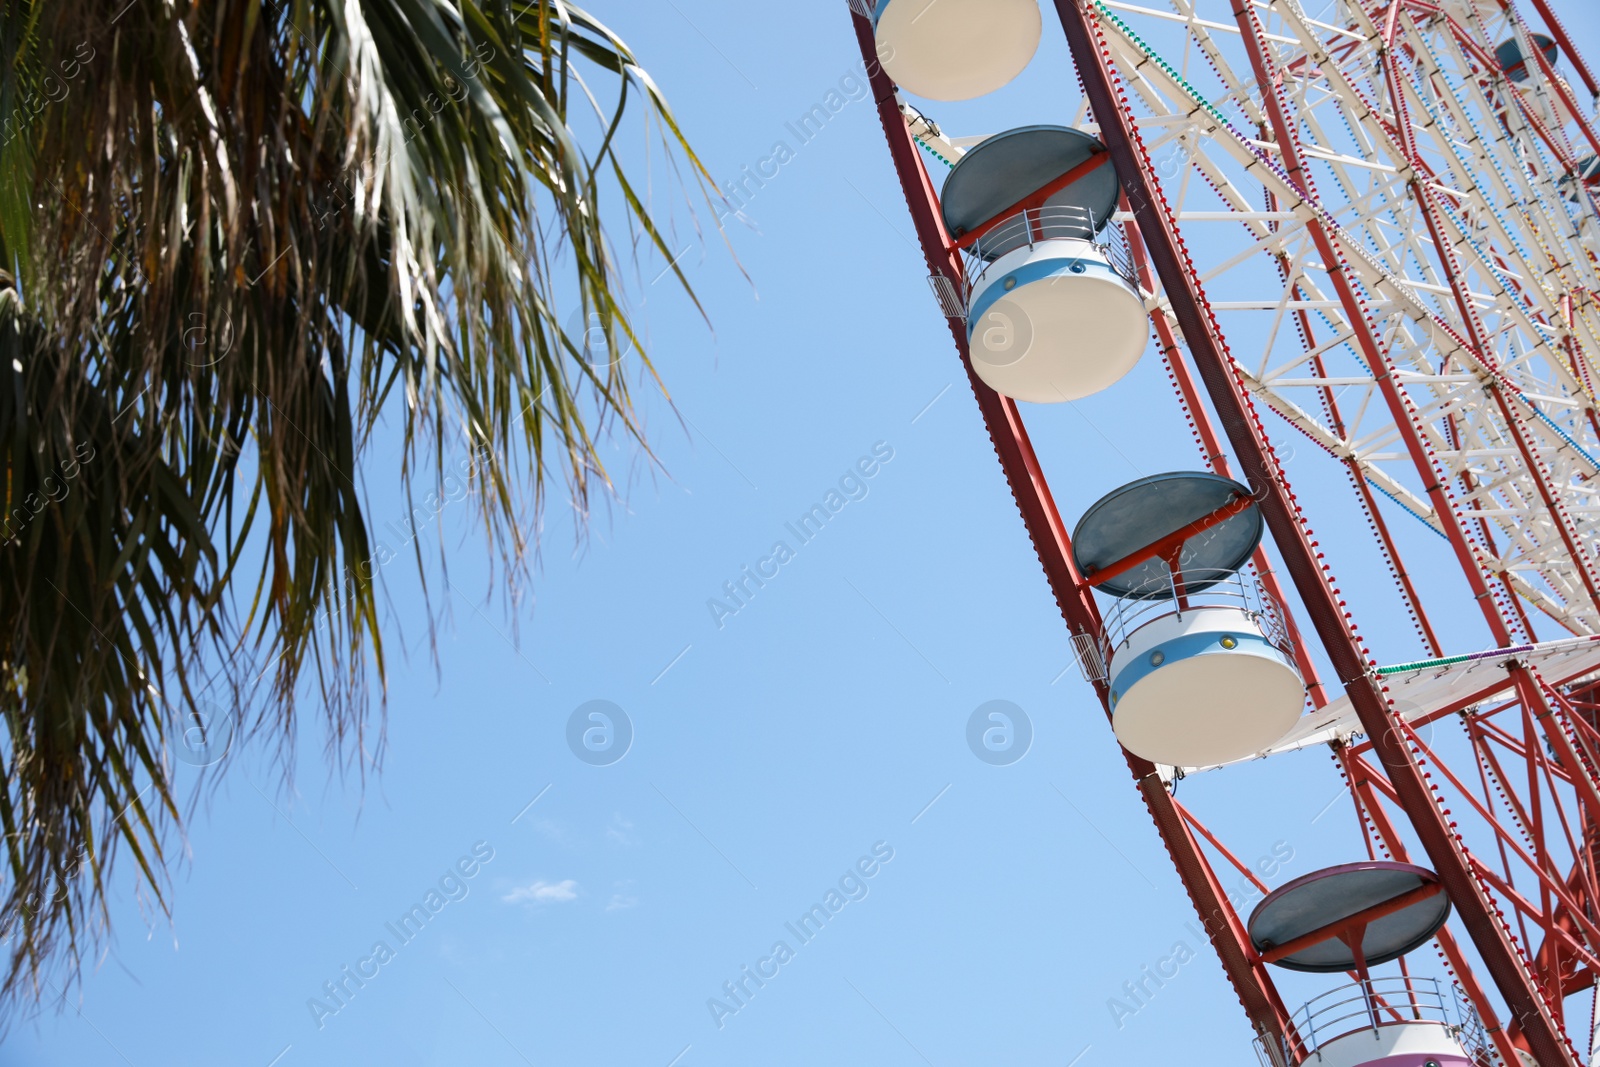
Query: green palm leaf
{"points": [[233, 232]]}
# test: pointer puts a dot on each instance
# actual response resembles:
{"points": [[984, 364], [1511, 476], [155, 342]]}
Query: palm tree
{"points": [[232, 233]]}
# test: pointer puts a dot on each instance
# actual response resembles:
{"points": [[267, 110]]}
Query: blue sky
{"points": [[776, 754]]}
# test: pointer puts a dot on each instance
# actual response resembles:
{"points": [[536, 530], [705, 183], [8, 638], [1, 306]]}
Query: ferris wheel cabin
{"points": [[1514, 61], [1348, 919], [956, 49], [1197, 657], [1053, 311]]}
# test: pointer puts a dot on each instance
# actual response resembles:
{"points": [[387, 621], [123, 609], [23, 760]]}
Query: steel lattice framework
{"points": [[1400, 241], [1449, 195]]}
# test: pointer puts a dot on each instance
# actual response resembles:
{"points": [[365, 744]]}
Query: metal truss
{"points": [[1457, 205]]}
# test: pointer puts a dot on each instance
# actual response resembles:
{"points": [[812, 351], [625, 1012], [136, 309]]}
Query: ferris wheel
{"points": [[1370, 227]]}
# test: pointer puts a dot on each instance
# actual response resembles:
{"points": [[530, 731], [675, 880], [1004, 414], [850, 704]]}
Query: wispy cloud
{"points": [[622, 899], [543, 893], [620, 832]]}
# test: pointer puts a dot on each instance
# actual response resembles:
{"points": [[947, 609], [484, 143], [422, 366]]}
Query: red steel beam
{"points": [[1527, 907], [1552, 718], [1189, 305], [1365, 783], [1558, 33], [1539, 864], [1555, 955], [1196, 826], [1248, 976]]}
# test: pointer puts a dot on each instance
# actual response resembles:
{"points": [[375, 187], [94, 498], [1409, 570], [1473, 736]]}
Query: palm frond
{"points": [[233, 233]]}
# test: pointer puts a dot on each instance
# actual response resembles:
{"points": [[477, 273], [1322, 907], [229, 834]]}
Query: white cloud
{"points": [[620, 832], [622, 900], [543, 893]]}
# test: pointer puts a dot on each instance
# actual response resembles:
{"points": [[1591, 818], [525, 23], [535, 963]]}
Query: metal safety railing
{"points": [[1031, 227], [1114, 240], [1195, 589], [1368, 1007]]}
